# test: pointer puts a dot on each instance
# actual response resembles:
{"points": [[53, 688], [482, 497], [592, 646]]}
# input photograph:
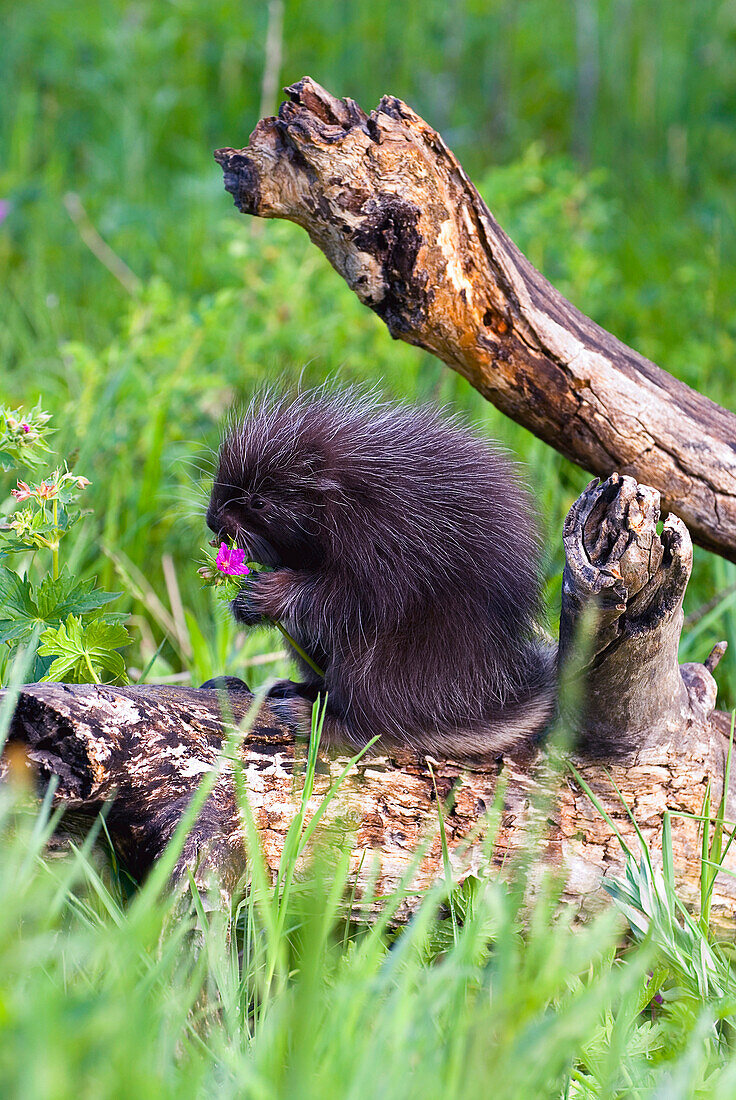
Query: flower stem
{"points": [[55, 549], [93, 674], [304, 656]]}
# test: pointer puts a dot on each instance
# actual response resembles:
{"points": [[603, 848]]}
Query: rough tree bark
{"points": [[648, 728], [396, 215]]}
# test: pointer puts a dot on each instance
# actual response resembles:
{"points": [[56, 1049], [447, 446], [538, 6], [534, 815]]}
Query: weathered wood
{"points": [[635, 693], [396, 215], [150, 746]]}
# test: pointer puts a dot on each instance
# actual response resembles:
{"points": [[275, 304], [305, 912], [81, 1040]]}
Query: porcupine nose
{"points": [[219, 522]]}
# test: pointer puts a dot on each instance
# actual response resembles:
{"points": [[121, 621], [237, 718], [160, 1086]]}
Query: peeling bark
{"points": [[396, 215]]}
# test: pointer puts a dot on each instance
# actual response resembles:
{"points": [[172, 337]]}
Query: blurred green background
{"points": [[601, 132]]}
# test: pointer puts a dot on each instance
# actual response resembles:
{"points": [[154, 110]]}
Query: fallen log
{"points": [[396, 215], [647, 727]]}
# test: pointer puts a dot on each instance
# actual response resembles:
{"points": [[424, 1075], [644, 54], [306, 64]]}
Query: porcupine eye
{"points": [[257, 503]]}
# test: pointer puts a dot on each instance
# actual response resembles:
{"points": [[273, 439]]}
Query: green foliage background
{"points": [[603, 135], [600, 131]]}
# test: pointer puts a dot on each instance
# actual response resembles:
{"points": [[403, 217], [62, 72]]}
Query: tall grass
{"points": [[291, 994]]}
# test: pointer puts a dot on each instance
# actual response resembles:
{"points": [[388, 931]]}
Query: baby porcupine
{"points": [[405, 563]]}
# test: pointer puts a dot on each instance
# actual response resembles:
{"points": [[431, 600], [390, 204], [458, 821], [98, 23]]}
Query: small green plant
{"points": [[45, 605]]}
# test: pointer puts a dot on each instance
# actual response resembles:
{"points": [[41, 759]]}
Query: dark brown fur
{"points": [[405, 564]]}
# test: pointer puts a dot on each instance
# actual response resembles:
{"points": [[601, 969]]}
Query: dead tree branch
{"points": [[396, 215]]}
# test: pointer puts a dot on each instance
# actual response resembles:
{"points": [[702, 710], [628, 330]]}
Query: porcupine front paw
{"points": [[246, 607]]}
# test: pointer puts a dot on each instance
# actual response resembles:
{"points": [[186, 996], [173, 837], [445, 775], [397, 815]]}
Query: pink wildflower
{"points": [[25, 427], [47, 490], [83, 482], [231, 560], [23, 492]]}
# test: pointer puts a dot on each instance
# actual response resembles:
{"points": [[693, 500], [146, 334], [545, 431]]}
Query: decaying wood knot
{"points": [[388, 232], [241, 179]]}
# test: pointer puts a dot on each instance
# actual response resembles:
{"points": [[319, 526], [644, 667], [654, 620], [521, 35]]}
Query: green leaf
{"points": [[18, 610], [16, 595], [58, 598], [85, 653], [16, 631], [24, 606], [15, 546]]}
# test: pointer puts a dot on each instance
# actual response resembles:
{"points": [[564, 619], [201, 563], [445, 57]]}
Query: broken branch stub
{"points": [[633, 582], [392, 209]]}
